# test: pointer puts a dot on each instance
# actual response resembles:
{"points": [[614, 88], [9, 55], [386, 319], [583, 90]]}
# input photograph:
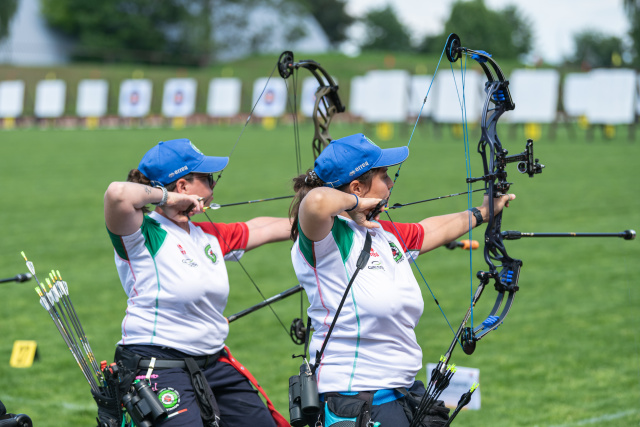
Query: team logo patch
{"points": [[169, 397], [195, 148], [397, 254], [210, 254]]}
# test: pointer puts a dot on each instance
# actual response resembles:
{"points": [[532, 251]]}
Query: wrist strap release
{"points": [[476, 213]]}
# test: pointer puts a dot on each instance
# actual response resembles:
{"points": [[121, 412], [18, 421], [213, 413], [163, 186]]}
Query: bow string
{"points": [[327, 104]]}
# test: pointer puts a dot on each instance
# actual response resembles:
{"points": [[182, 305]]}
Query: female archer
{"points": [[173, 272], [372, 354]]}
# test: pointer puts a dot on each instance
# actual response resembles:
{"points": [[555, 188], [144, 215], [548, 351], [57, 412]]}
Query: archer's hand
{"points": [[499, 203], [359, 214], [180, 207]]}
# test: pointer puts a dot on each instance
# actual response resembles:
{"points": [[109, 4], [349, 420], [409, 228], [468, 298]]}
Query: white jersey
{"points": [[373, 345], [177, 283]]}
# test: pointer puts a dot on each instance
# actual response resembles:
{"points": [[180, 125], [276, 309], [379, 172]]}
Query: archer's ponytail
{"points": [[302, 184]]}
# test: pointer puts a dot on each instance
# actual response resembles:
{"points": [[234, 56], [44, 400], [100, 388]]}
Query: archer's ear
{"points": [[357, 188], [182, 185]]}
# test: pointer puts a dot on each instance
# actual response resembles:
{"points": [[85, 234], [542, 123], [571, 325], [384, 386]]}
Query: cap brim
{"points": [[392, 156], [211, 164]]}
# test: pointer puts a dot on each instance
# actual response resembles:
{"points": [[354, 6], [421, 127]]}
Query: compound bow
{"points": [[503, 270]]}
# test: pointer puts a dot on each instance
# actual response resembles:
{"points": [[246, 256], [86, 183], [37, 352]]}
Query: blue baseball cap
{"points": [[347, 158], [171, 160]]}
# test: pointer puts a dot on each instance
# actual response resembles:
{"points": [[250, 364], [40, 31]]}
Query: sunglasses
{"points": [[209, 177]]}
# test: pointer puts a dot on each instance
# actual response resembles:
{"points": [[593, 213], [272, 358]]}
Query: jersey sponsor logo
{"points": [[397, 254], [182, 251], [373, 253], [170, 398], [190, 262], [375, 265], [210, 254]]}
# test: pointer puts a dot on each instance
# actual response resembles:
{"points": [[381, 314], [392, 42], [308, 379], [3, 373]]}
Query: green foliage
{"points": [[169, 32], [7, 10], [385, 32], [332, 17], [568, 354], [503, 33], [593, 49]]}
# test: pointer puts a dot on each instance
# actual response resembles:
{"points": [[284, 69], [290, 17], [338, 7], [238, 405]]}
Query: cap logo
{"points": [[177, 171], [370, 141], [359, 167], [195, 148]]}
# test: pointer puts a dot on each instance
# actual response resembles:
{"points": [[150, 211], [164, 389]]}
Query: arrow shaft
{"points": [[398, 205]]}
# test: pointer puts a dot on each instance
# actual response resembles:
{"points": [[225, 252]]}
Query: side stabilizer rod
{"points": [[515, 235]]}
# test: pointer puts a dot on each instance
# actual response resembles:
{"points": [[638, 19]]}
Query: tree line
{"points": [[193, 32]]}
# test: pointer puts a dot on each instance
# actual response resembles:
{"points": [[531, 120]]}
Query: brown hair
{"points": [[304, 183], [138, 177]]}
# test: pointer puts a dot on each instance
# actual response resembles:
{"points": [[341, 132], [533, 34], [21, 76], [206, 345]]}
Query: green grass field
{"points": [[567, 355]]}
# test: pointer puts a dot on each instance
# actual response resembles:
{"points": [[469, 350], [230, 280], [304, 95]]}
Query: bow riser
{"points": [[503, 270]]}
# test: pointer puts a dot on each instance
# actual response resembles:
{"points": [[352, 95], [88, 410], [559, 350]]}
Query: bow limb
{"points": [[327, 103]]}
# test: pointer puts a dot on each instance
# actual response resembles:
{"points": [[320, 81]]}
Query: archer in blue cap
{"points": [[170, 160], [343, 259], [174, 273]]}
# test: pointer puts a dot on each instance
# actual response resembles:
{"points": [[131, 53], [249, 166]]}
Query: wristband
{"points": [[165, 195], [357, 201], [478, 215]]}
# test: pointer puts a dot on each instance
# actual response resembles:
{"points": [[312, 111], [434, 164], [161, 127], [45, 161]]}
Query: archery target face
{"points": [[269, 101], [11, 98], [135, 98], [92, 98], [50, 98], [179, 98], [224, 97]]}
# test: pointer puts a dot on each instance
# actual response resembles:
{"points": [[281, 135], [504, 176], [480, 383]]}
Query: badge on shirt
{"points": [[170, 398], [210, 254], [397, 254]]}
